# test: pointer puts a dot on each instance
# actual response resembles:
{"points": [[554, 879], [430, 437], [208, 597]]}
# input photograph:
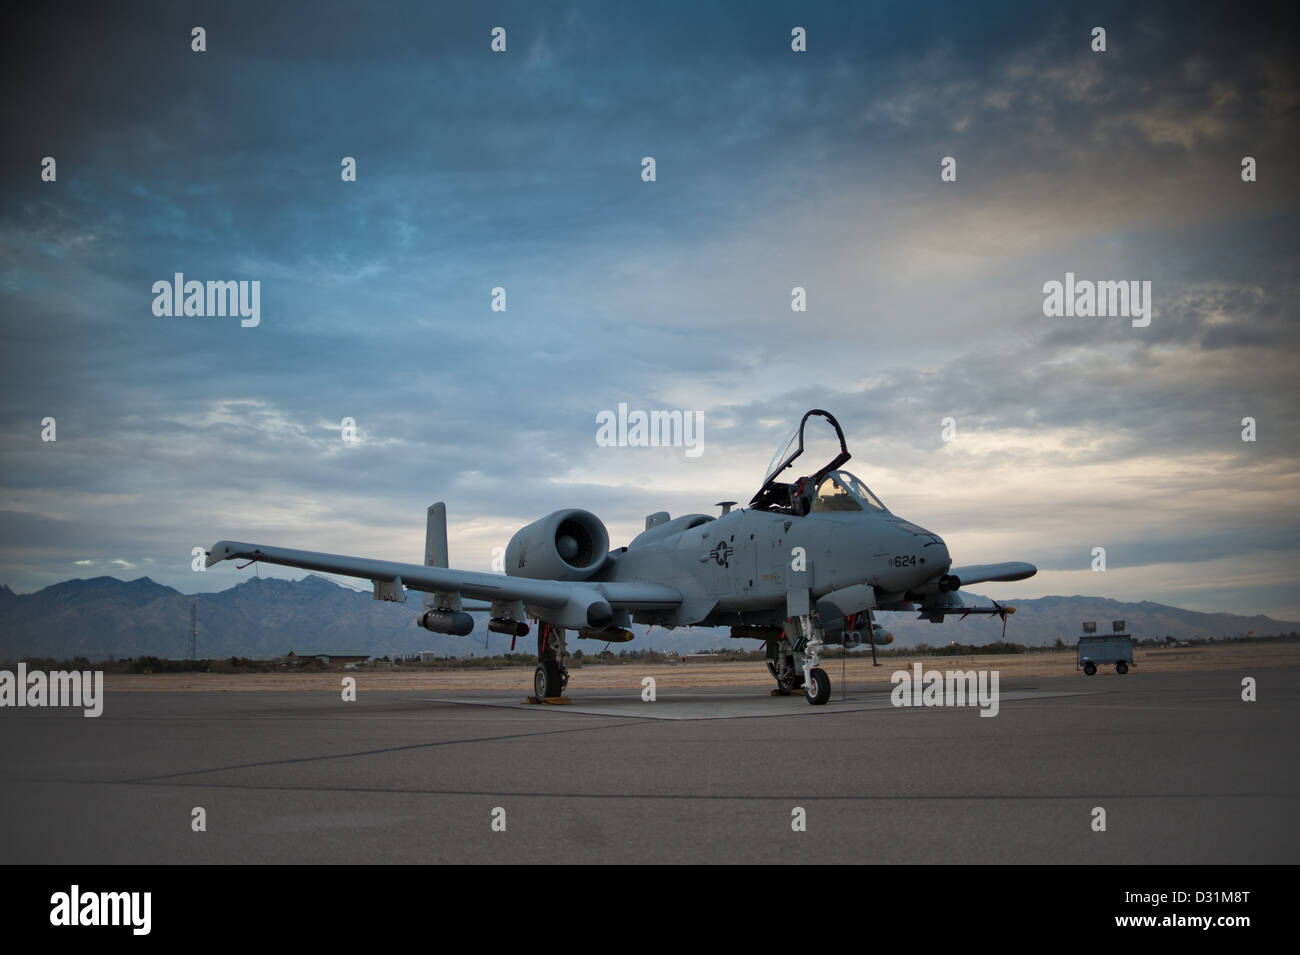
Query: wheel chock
{"points": [[550, 700]]}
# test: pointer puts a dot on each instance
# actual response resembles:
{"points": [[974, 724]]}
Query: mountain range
{"points": [[267, 617]]}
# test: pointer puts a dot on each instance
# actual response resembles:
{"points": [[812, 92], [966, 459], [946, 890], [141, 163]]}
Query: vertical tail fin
{"points": [[435, 537], [435, 542]]}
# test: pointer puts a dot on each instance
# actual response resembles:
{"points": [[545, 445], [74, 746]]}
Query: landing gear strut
{"points": [[797, 656], [551, 676]]}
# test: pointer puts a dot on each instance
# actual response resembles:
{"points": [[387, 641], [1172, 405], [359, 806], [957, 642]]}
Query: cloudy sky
{"points": [[774, 169]]}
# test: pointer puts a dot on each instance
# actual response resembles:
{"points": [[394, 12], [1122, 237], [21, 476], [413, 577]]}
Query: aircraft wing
{"points": [[578, 602], [979, 573]]}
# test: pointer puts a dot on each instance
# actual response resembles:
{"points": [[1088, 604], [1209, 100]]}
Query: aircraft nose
{"points": [[927, 545], [937, 560]]}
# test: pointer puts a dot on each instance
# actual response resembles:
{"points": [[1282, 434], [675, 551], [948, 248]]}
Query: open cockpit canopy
{"points": [[828, 488]]}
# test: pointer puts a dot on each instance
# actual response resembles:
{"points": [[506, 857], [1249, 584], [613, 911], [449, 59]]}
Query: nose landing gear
{"points": [[817, 689], [795, 661]]}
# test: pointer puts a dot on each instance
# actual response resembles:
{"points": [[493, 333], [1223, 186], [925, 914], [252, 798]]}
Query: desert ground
{"points": [[700, 673]]}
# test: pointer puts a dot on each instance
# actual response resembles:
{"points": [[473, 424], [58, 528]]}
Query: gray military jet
{"points": [[802, 566]]}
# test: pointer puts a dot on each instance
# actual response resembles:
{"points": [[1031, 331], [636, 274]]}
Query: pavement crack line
{"points": [[684, 797], [375, 752]]}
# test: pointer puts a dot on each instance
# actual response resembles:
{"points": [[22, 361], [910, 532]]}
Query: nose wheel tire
{"points": [[546, 680], [819, 690]]}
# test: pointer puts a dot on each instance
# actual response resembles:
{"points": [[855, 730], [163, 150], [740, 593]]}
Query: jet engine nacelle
{"points": [[567, 545]]}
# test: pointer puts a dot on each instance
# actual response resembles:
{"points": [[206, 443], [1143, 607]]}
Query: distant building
{"points": [[328, 657], [428, 656]]}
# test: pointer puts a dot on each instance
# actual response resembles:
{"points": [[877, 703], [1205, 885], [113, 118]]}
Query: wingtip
{"points": [[224, 550]]}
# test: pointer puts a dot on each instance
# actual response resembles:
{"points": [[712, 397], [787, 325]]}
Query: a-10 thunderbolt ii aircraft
{"points": [[802, 566]]}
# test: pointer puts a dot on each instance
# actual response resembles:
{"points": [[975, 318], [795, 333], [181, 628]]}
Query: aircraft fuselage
{"points": [[741, 565]]}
